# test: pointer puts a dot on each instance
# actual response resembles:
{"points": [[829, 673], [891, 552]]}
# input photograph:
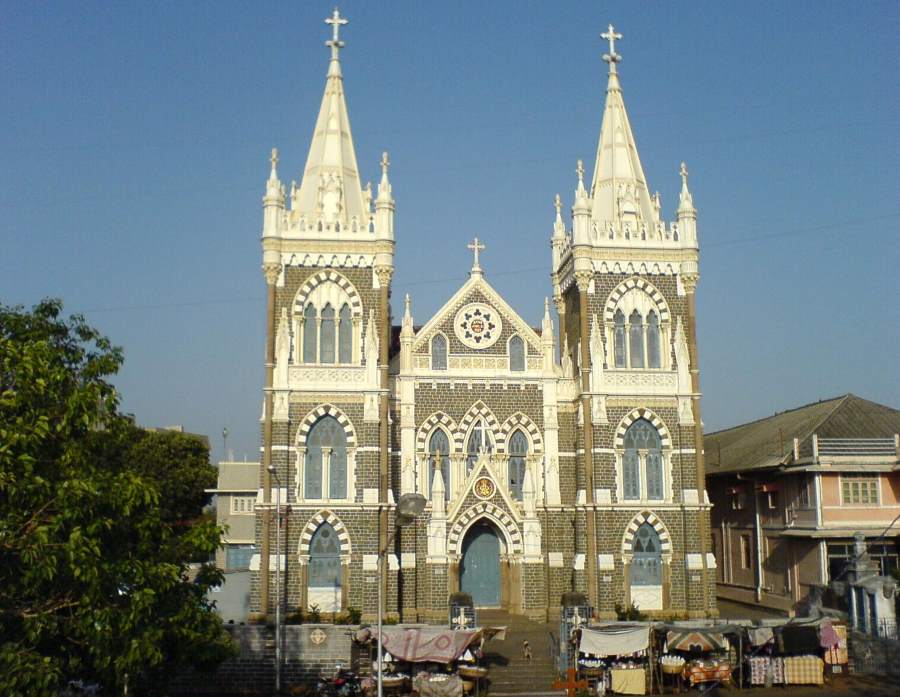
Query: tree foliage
{"points": [[94, 573]]}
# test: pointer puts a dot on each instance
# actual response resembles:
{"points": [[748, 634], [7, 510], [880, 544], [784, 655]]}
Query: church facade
{"points": [[554, 459]]}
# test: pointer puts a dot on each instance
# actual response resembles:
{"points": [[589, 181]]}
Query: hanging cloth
{"points": [[760, 636], [695, 640], [614, 641]]}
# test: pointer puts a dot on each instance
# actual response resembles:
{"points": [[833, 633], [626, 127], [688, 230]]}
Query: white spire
{"points": [[330, 189], [685, 200], [619, 188]]}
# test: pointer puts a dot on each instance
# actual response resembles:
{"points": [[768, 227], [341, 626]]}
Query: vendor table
{"points": [[429, 686], [804, 670], [628, 681], [761, 665], [695, 674]]}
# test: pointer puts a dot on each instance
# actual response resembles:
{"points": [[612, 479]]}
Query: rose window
{"points": [[478, 325]]}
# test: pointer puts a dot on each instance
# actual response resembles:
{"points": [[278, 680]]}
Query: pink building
{"points": [[790, 491]]}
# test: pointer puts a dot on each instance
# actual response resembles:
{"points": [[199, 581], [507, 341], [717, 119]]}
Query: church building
{"points": [[566, 457]]}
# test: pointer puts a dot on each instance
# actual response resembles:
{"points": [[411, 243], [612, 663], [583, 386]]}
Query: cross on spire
{"points": [[612, 57], [335, 42], [476, 247]]}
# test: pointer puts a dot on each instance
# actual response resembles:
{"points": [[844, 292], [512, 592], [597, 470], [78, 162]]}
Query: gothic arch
{"points": [[520, 420], [665, 540], [642, 413], [439, 418], [642, 284], [479, 409], [317, 414], [321, 278], [324, 516], [484, 511]]}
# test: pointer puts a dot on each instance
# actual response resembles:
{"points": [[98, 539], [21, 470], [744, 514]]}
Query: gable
{"points": [[477, 320]]}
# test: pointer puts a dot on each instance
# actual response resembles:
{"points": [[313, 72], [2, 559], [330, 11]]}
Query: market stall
{"points": [[616, 655], [690, 656], [799, 646]]}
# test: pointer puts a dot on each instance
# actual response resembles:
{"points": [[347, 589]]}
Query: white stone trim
{"points": [[313, 524]]}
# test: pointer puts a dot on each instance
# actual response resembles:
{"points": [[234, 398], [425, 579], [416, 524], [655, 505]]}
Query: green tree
{"points": [[94, 576]]}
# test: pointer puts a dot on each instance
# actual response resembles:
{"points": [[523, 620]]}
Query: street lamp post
{"points": [[409, 506], [274, 473]]}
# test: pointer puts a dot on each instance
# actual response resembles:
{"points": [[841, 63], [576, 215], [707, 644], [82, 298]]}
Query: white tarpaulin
{"points": [[436, 644], [614, 641]]}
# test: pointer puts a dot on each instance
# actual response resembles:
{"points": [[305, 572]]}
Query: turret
{"points": [[687, 214], [548, 348], [581, 211], [384, 204]]}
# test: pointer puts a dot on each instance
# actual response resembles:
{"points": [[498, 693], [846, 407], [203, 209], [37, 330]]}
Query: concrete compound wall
{"points": [[310, 650]]}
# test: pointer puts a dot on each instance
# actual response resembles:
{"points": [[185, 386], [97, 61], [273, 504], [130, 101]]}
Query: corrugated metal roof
{"points": [[770, 441]]}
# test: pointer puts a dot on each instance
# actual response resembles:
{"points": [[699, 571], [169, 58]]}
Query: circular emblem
{"points": [[478, 325], [484, 488], [317, 636]]}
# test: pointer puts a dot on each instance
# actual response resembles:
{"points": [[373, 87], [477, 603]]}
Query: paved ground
{"points": [[855, 686]]}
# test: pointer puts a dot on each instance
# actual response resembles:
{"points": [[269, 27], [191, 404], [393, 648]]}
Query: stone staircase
{"points": [[510, 673]]}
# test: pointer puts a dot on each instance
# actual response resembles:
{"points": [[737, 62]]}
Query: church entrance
{"points": [[479, 568]]}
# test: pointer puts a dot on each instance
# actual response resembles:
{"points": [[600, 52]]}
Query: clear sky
{"points": [[135, 140]]}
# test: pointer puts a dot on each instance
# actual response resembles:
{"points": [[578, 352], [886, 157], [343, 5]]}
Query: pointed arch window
{"points": [[325, 558], [325, 470], [646, 563], [654, 355], [642, 463], [636, 339], [516, 354], [619, 339], [479, 439], [326, 346], [439, 352], [310, 334], [345, 335], [439, 458], [518, 450]]}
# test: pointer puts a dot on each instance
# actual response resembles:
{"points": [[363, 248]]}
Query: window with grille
{"points": [[439, 458], [325, 474], [518, 450], [237, 557], [242, 505], [325, 558], [642, 462], [439, 352], [859, 489], [516, 354]]}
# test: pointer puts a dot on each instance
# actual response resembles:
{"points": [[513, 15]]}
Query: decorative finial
{"points": [[579, 170], [557, 203], [476, 247], [335, 43], [546, 306], [274, 160], [612, 57], [684, 174], [407, 305], [385, 163]]}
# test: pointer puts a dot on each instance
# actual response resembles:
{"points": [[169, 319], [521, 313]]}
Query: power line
{"points": [[508, 272]]}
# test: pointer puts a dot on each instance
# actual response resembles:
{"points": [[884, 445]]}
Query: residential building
{"points": [[237, 493], [790, 491]]}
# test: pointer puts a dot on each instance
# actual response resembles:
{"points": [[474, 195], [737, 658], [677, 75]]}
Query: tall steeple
{"points": [[619, 188], [331, 191]]}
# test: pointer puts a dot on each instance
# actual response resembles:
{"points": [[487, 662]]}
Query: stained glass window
{"points": [[326, 350], [439, 442], [619, 336], [646, 563], [653, 350], [325, 558], [636, 339], [309, 334], [642, 437], [516, 353], [345, 335], [478, 440], [439, 352], [518, 449], [327, 432]]}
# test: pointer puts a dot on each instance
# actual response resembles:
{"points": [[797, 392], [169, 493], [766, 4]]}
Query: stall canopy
{"points": [[695, 640], [614, 641], [427, 644]]}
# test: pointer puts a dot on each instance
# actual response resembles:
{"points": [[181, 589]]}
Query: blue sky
{"points": [[135, 141]]}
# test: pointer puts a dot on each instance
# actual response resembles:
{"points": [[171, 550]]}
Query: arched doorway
{"points": [[479, 568]]}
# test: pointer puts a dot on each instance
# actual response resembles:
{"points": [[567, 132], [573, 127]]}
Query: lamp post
{"points": [[409, 506], [274, 473]]}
